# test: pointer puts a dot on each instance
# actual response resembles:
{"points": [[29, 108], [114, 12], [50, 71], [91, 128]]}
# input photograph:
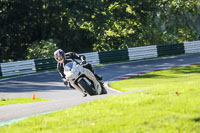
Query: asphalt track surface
{"points": [[48, 85]]}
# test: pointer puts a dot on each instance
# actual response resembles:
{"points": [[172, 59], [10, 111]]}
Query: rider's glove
{"points": [[64, 80], [83, 62]]}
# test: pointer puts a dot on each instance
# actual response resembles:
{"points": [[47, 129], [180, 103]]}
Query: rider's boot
{"points": [[98, 77]]}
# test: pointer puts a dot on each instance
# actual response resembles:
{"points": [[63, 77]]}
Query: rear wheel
{"points": [[104, 91], [86, 87]]}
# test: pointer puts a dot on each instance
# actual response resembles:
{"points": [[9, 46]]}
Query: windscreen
{"points": [[68, 66]]}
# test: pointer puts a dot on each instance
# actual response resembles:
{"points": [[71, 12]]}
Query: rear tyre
{"points": [[104, 91], [86, 87]]}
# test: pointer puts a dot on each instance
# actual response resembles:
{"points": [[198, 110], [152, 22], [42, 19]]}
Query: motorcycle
{"points": [[83, 79]]}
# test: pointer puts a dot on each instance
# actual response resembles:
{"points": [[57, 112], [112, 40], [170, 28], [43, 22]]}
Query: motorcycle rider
{"points": [[63, 58]]}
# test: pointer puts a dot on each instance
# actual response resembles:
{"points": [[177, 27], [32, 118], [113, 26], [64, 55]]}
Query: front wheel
{"points": [[86, 87]]}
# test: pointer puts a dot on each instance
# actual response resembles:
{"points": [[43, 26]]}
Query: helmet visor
{"points": [[59, 58]]}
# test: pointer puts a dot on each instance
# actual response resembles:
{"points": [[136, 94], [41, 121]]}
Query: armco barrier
{"points": [[192, 47], [31, 66], [18, 67], [50, 63], [166, 50], [92, 57], [45, 64], [142, 52], [114, 55], [0, 71]]}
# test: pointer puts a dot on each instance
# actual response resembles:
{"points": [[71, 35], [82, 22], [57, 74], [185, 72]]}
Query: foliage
{"points": [[42, 49], [85, 25]]}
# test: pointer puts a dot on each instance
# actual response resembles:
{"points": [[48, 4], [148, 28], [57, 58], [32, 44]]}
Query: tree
{"points": [[86, 25], [42, 49]]}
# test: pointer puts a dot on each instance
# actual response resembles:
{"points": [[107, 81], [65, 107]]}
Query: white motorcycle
{"points": [[83, 79]]}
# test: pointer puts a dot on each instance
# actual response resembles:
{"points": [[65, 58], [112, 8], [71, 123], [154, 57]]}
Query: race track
{"points": [[48, 85]]}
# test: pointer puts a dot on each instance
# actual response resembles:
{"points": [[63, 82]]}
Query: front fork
{"points": [[73, 84]]}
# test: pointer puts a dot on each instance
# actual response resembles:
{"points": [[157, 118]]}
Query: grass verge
{"points": [[20, 100], [159, 110], [173, 79]]}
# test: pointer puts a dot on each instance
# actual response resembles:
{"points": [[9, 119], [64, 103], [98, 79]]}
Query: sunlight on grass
{"points": [[159, 110], [175, 78], [20, 100]]}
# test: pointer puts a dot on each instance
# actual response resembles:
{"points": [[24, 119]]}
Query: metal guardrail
{"points": [[18, 67], [50, 63], [166, 50], [92, 57], [142, 52], [45, 64], [192, 47], [114, 55], [32, 66], [0, 71]]}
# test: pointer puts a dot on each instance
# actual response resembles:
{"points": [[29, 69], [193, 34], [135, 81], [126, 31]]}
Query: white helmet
{"points": [[59, 55]]}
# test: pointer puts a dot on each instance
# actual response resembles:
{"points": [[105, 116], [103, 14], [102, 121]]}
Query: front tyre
{"points": [[86, 87]]}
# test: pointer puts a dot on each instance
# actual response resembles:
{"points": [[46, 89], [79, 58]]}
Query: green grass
{"points": [[20, 100], [176, 79], [158, 110]]}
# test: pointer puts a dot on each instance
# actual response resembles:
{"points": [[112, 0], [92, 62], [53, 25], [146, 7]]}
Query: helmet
{"points": [[59, 55]]}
